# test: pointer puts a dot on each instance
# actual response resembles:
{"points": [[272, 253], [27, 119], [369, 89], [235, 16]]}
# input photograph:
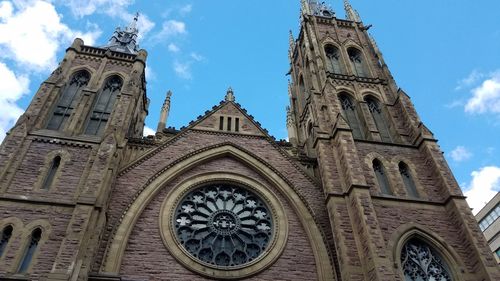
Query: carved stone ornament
{"points": [[223, 226]]}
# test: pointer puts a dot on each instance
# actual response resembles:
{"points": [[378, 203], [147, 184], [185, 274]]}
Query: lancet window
{"points": [[381, 175], [380, 121], [30, 251], [68, 100], [333, 61], [351, 115], [104, 106]]}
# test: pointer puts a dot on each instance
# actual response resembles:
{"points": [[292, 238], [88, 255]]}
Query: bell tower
{"points": [[58, 162], [385, 180]]}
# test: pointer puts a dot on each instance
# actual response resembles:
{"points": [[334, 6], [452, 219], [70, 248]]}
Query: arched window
{"points": [[421, 263], [103, 106], [408, 180], [333, 59], [68, 100], [6, 235], [382, 180], [30, 251], [357, 62], [378, 117], [351, 115], [51, 173]]}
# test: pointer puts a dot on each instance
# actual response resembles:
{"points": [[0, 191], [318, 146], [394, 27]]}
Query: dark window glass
{"points": [[382, 180], [237, 124], [104, 106], [49, 178], [35, 237], [357, 62], [221, 123], [229, 123], [380, 121], [333, 59], [422, 263], [408, 180], [352, 117], [68, 100], [6, 235]]}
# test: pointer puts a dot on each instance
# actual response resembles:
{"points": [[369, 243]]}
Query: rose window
{"points": [[223, 225]]}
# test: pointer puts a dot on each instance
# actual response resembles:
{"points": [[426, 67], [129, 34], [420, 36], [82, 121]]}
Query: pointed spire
{"points": [[125, 40], [132, 27], [230, 95], [305, 7], [292, 44], [350, 12], [165, 110]]}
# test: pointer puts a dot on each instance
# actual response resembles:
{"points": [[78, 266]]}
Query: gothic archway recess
{"points": [[118, 244]]}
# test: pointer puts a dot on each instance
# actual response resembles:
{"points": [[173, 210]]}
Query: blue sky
{"points": [[444, 54]]}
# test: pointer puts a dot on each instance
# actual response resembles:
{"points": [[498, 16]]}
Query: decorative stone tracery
{"points": [[223, 225]]}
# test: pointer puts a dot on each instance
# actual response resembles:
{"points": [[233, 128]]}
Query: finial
{"points": [[132, 27], [125, 40], [166, 103], [350, 12], [230, 95], [291, 40], [165, 109]]}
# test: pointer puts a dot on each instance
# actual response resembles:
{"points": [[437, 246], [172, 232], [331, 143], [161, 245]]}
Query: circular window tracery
{"points": [[223, 225]]}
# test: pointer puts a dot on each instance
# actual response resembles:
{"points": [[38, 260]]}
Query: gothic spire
{"points": [[125, 40], [165, 109], [305, 7], [350, 12], [292, 44]]}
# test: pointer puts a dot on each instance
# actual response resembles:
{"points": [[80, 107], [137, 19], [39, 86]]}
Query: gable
{"points": [[229, 117]]}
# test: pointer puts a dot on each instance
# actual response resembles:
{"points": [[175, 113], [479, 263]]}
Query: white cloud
{"points": [[35, 24], [486, 97], [81, 8], [485, 185], [183, 70], [460, 154], [184, 10], [470, 80], [12, 89], [170, 28], [148, 131], [197, 57], [113, 8], [173, 48]]}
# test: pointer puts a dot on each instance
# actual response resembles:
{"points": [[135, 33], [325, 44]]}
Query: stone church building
{"points": [[361, 191]]}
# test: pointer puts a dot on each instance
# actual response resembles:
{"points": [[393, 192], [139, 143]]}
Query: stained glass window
{"points": [[382, 180], [408, 180], [68, 100], [333, 59], [380, 121], [104, 106], [6, 235], [35, 237], [357, 62], [351, 115], [421, 263], [223, 225]]}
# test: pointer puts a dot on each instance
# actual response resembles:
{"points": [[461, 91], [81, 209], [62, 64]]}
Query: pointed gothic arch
{"points": [[119, 240], [103, 105], [68, 100], [410, 232], [382, 177], [350, 111], [333, 59], [358, 62], [377, 111]]}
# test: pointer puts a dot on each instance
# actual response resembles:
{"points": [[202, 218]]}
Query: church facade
{"points": [[361, 191]]}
